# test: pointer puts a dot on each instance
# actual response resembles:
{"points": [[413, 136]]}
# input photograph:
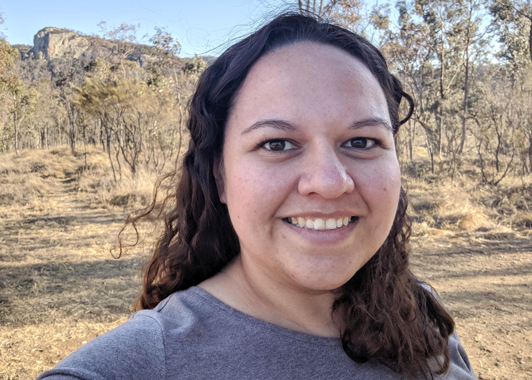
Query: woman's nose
{"points": [[324, 174]]}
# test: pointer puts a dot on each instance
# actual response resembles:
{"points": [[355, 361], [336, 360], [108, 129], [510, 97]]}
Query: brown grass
{"points": [[60, 286]]}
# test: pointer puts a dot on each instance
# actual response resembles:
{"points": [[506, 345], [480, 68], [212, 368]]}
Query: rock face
{"points": [[51, 43], [58, 43], [57, 54]]}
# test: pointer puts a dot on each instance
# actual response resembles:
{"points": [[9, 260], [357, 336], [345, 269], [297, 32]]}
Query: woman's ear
{"points": [[218, 171]]}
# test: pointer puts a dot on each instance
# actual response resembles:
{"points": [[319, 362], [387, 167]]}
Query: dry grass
{"points": [[440, 206], [60, 286]]}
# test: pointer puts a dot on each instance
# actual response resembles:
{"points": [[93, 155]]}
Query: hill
{"points": [[56, 49]]}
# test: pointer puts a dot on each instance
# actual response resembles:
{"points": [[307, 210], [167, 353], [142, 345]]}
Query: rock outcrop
{"points": [[51, 43], [59, 43]]}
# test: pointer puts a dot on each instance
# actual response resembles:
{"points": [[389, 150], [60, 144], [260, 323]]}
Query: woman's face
{"points": [[310, 174]]}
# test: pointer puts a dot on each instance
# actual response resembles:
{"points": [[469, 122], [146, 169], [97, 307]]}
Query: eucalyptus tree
{"points": [[319, 7], [513, 21], [363, 17], [445, 21], [18, 100]]}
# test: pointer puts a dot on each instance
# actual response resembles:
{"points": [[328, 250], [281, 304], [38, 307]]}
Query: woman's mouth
{"points": [[319, 223]]}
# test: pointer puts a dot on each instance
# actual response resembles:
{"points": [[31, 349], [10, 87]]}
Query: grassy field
{"points": [[61, 287]]}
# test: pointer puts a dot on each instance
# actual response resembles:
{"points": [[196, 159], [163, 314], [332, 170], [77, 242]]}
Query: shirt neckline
{"points": [[264, 325]]}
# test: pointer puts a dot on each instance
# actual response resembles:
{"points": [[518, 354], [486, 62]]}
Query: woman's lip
{"points": [[324, 237]]}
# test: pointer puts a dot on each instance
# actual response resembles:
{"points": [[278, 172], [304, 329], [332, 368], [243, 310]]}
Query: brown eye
{"points": [[360, 143], [278, 145]]}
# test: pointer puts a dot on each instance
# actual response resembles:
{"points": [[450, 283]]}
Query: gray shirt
{"points": [[193, 335]]}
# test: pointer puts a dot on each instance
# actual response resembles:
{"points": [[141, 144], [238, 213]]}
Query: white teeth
{"points": [[330, 224], [320, 224]]}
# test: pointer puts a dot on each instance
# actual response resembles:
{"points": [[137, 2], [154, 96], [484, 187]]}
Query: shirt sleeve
{"points": [[132, 351], [460, 368]]}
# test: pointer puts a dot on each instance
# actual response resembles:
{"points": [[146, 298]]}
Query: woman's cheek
{"points": [[378, 182], [253, 191]]}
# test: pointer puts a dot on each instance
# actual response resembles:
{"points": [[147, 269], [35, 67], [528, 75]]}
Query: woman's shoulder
{"points": [[460, 367], [135, 349], [122, 353]]}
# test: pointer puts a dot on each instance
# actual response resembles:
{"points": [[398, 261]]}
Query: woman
{"points": [[287, 253]]}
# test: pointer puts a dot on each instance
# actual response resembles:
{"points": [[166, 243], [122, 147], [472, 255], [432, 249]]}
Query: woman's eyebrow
{"points": [[374, 121], [272, 123], [287, 126]]}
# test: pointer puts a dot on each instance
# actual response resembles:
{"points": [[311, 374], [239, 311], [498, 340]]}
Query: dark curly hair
{"points": [[389, 315]]}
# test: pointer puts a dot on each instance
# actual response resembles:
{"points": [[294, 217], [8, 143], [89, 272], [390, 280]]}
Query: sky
{"points": [[203, 27]]}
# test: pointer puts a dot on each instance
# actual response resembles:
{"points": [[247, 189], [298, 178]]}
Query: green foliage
{"points": [[8, 61], [512, 19], [163, 40], [195, 66]]}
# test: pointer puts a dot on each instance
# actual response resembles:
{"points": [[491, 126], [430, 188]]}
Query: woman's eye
{"points": [[278, 145], [360, 143]]}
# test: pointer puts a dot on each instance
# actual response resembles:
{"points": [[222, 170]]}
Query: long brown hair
{"points": [[389, 315]]}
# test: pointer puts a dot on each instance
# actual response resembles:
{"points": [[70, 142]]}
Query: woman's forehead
{"points": [[295, 76], [307, 58], [299, 64]]}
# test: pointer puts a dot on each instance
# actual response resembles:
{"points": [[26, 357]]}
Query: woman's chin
{"points": [[319, 283], [321, 273]]}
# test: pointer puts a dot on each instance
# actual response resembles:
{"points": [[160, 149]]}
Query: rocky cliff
{"points": [[51, 43]]}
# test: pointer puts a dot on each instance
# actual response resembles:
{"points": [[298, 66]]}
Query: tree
{"points": [[64, 82], [319, 8], [125, 37], [513, 20], [162, 39], [170, 73], [46, 107], [18, 99], [350, 14], [473, 39]]}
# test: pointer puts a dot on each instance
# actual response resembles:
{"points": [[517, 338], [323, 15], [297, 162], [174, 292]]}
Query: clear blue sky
{"points": [[199, 25]]}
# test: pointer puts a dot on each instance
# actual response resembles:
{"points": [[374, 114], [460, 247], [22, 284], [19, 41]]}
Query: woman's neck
{"points": [[257, 295]]}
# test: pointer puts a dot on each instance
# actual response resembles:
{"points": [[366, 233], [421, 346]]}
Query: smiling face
{"points": [[310, 174]]}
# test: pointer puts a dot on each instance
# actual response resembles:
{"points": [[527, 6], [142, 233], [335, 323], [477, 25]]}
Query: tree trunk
{"points": [[530, 149], [464, 111], [101, 134], [44, 138], [108, 141], [15, 124], [530, 39], [466, 89], [72, 122], [411, 142], [72, 139], [442, 96]]}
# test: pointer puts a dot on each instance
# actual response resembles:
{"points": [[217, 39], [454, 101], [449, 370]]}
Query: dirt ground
{"points": [[60, 287], [487, 287]]}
